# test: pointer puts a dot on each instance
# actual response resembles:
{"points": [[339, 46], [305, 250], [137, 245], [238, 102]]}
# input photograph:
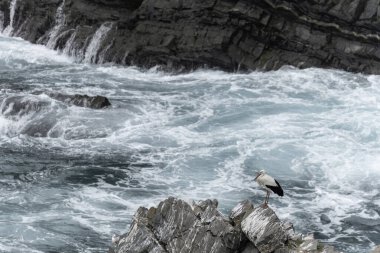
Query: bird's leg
{"points": [[265, 205]]}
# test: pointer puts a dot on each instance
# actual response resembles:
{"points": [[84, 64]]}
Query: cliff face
{"points": [[229, 34]]}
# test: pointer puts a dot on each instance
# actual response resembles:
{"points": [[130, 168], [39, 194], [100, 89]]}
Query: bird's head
{"points": [[259, 173]]}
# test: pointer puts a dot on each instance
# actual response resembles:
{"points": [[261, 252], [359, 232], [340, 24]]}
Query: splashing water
{"points": [[96, 42], [70, 48], [9, 29], [70, 177], [59, 23]]}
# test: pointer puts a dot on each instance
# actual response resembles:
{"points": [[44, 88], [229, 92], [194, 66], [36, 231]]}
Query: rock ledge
{"points": [[187, 34]]}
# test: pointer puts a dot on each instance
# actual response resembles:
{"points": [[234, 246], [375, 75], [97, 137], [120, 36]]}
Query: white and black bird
{"points": [[269, 184]]}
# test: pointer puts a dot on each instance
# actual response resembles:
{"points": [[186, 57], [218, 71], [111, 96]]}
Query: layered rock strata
{"points": [[175, 226], [228, 34]]}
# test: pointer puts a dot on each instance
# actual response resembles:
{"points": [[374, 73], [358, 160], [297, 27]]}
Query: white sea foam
{"points": [[2, 18], [19, 54]]}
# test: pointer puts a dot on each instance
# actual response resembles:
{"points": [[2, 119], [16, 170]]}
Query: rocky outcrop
{"points": [[264, 229], [229, 34], [21, 105], [376, 249], [175, 226]]}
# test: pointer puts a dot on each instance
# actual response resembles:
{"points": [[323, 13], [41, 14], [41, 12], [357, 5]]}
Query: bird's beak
{"points": [[257, 175]]}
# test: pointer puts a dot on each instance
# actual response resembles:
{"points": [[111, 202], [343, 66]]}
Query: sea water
{"points": [[70, 177]]}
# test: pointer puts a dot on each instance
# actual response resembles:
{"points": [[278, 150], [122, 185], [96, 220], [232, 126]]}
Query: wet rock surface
{"points": [[376, 249], [41, 110], [21, 105], [176, 226], [264, 229], [93, 102], [187, 34], [325, 219]]}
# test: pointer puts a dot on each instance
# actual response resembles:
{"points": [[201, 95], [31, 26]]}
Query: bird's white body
{"points": [[263, 180]]}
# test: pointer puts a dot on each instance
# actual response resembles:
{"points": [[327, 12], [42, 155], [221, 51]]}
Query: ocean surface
{"points": [[70, 177]]}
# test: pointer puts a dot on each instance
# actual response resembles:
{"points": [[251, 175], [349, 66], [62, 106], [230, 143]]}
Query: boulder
{"points": [[176, 226], [250, 248], [264, 229], [305, 244], [93, 102], [140, 238], [22, 105], [240, 211]]}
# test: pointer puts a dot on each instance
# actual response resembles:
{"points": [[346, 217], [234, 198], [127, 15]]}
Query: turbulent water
{"points": [[70, 177]]}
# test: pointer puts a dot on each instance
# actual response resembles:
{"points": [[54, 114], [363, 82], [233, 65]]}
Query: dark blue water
{"points": [[70, 177]]}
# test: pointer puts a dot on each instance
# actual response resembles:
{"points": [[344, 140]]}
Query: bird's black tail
{"points": [[276, 189]]}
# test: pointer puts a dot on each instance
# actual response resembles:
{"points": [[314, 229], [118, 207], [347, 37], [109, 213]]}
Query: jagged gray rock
{"points": [[175, 226], [231, 35], [325, 219], [178, 227], [376, 249], [305, 244], [140, 237], [250, 248], [264, 229], [93, 102], [240, 211], [21, 105]]}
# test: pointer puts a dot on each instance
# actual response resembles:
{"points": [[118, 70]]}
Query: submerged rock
{"points": [[95, 102], [22, 105], [38, 111], [325, 219], [175, 226]]}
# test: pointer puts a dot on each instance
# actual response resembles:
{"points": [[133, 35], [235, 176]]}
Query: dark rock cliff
{"points": [[229, 34]]}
